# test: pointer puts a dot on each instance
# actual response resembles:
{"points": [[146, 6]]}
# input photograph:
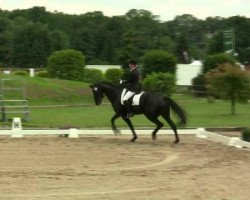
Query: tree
{"points": [[158, 61], [215, 44], [182, 49], [241, 27], [160, 82], [108, 39], [59, 40], [213, 24], [213, 61], [83, 41], [189, 29], [66, 64], [37, 14], [31, 45], [229, 82], [113, 40], [142, 34], [6, 38], [165, 43]]}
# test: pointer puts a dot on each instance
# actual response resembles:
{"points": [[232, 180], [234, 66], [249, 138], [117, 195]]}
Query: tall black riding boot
{"points": [[128, 109]]}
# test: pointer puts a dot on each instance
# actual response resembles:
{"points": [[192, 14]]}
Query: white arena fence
{"points": [[17, 131], [75, 133], [229, 141]]}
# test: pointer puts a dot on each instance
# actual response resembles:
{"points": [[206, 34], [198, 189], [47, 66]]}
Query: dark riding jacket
{"points": [[132, 83]]}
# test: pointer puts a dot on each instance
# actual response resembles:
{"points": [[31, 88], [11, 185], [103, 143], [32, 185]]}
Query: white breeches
{"points": [[128, 95]]}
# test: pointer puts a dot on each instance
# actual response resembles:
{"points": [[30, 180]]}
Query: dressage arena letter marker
{"points": [[16, 128], [73, 133], [234, 142], [201, 133]]}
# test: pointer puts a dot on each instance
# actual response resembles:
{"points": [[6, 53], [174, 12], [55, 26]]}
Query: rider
{"points": [[132, 85]]}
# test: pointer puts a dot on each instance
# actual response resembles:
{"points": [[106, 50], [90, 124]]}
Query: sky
{"points": [[165, 9]]}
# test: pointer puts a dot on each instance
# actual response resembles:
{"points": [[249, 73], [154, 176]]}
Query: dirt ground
{"points": [[112, 168]]}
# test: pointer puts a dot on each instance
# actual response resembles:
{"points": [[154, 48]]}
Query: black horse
{"points": [[152, 105]]}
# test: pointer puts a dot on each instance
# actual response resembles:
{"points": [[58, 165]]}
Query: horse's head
{"points": [[98, 94]]}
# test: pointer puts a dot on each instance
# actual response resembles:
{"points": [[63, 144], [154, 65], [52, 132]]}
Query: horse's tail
{"points": [[181, 113]]}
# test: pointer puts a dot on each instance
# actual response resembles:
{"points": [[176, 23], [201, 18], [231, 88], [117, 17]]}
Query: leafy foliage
{"points": [[43, 74], [113, 75], [182, 49], [21, 73], [31, 45], [66, 64], [213, 61], [160, 82], [158, 61], [93, 75], [229, 82], [29, 36], [59, 40], [215, 45]]}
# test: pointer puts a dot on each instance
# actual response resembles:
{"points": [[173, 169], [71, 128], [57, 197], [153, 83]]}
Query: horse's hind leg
{"points": [[159, 125], [127, 120], [172, 125]]}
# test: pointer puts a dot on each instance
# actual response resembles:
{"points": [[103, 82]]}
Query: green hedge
{"points": [[93, 75], [43, 74], [66, 64], [21, 73], [113, 75], [160, 82], [158, 61]]}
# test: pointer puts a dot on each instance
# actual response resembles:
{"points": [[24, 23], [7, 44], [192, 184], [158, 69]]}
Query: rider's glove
{"points": [[121, 81]]}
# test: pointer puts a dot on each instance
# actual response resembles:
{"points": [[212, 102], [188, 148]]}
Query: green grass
{"points": [[53, 92], [45, 91], [217, 114], [200, 114]]}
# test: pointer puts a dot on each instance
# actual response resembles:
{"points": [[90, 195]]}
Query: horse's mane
{"points": [[109, 84]]}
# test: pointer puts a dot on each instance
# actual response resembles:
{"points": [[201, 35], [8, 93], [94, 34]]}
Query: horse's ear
{"points": [[91, 86]]}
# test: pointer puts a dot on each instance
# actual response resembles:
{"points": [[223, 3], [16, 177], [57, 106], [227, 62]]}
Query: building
{"points": [[186, 72]]}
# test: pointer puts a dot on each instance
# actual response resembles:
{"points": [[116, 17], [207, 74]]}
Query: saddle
{"points": [[135, 99]]}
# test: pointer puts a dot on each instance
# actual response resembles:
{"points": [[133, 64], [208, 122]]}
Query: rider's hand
{"points": [[121, 81]]}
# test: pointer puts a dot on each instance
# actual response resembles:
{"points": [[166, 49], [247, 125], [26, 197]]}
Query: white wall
{"points": [[186, 72]]}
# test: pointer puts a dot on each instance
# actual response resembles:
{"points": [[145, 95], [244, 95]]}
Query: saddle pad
{"points": [[135, 98]]}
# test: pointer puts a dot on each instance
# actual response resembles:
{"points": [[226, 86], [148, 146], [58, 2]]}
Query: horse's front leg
{"points": [[127, 120], [114, 128]]}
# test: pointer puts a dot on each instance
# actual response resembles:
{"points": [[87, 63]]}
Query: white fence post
{"points": [[32, 72]]}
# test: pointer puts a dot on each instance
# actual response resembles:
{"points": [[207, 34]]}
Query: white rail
{"points": [[18, 131], [74, 133], [230, 141]]}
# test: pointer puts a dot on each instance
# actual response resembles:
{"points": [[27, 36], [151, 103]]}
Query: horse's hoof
{"points": [[117, 132], [154, 137], [176, 141], [133, 140]]}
